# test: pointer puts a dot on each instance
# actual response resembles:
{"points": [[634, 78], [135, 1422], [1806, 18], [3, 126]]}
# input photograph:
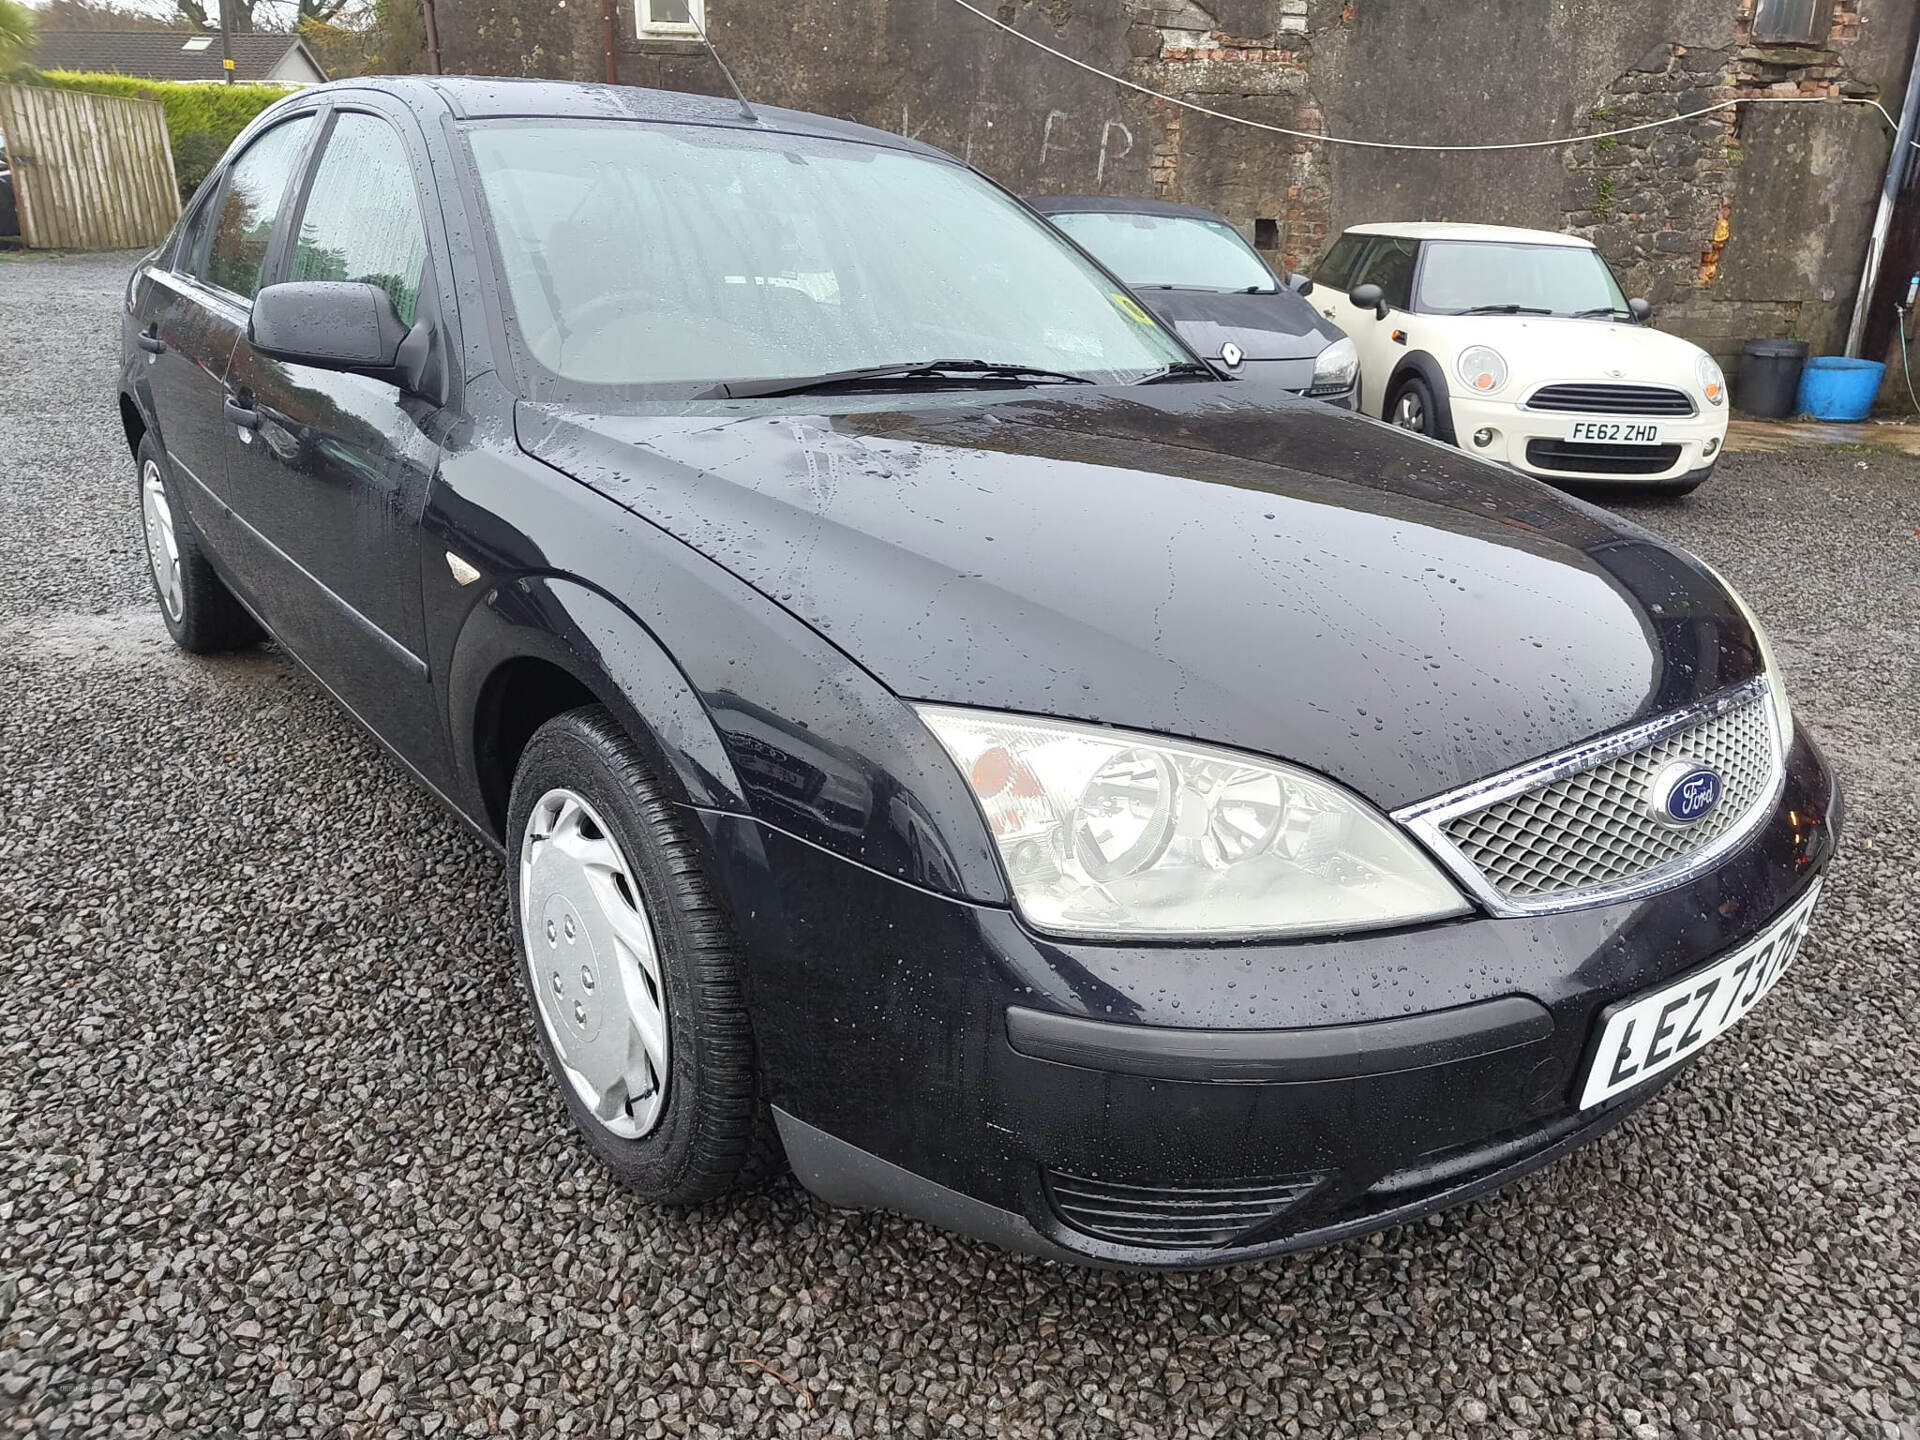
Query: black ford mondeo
{"points": [[940, 732]]}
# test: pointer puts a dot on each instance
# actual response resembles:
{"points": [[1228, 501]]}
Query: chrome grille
{"points": [[1174, 1216], [1596, 399], [1577, 828], [1594, 828]]}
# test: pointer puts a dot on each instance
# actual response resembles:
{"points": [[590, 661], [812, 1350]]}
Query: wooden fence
{"points": [[90, 172]]}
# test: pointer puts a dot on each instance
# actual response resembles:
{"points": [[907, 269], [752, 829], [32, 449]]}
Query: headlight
{"points": [[1113, 833], [1776, 682], [1335, 367], [1481, 369], [1713, 381]]}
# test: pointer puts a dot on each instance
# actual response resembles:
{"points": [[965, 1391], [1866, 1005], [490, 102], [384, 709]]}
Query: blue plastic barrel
{"points": [[1833, 387]]}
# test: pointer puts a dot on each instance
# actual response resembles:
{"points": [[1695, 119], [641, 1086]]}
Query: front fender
{"points": [[1434, 373], [568, 624]]}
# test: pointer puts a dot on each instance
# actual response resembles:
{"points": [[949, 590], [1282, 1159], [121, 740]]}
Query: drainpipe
{"points": [[1883, 218], [433, 37]]}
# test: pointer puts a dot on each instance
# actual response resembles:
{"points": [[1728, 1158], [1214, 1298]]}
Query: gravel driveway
{"points": [[276, 1155]]}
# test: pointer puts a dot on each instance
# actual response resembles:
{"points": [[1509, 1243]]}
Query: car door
{"points": [[190, 318], [1388, 261], [331, 470]]}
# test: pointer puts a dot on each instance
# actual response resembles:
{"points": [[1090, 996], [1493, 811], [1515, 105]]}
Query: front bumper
{"points": [[1389, 1074], [1295, 377], [1534, 442]]}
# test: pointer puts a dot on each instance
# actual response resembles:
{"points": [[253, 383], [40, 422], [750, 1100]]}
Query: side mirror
{"points": [[329, 324], [1641, 310], [1300, 284], [1370, 297]]}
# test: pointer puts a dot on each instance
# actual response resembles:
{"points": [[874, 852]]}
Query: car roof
{"points": [[489, 97], [1117, 205], [1450, 230]]}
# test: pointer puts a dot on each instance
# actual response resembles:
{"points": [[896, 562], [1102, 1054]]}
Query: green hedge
{"points": [[201, 119]]}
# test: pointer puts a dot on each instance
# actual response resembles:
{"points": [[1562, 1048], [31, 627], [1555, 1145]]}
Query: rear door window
{"points": [[255, 190], [362, 217]]}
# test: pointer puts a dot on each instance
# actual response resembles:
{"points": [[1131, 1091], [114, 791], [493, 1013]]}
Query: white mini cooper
{"points": [[1519, 346]]}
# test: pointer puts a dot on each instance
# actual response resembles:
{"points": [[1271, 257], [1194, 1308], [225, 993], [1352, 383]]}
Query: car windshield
{"points": [[684, 257], [1172, 250], [1460, 275]]}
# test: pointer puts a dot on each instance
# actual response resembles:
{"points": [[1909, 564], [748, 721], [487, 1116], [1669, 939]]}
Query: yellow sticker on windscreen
{"points": [[1130, 308]]}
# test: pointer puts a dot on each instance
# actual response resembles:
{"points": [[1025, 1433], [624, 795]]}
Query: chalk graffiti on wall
{"points": [[1066, 147]]}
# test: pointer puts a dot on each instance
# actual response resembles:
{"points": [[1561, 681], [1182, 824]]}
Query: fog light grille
{"points": [[1175, 1217]]}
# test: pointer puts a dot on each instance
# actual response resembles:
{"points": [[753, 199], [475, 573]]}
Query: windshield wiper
{"points": [[1179, 370], [909, 372], [1607, 310], [1502, 310]]}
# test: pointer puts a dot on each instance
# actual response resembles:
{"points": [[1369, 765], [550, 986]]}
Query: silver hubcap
{"points": [[1409, 413], [163, 550], [593, 964]]}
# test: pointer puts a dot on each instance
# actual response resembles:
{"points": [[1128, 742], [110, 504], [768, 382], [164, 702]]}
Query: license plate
{"points": [[1613, 432], [1651, 1033]]}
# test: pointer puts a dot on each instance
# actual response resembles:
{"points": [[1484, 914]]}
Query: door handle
{"points": [[151, 343], [240, 415]]}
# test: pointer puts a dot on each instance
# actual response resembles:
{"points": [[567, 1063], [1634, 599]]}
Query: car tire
{"points": [[591, 887], [200, 612], [1412, 407]]}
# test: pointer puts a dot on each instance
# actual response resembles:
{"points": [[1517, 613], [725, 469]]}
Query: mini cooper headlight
{"points": [[1713, 381], [1116, 833], [1335, 367], [1481, 369], [1776, 682]]}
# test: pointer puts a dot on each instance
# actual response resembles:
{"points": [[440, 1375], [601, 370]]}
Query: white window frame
{"points": [[1768, 30], [650, 27]]}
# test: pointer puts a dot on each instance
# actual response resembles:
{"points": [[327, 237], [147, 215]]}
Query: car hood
{"points": [[1191, 560], [1276, 326], [1541, 349]]}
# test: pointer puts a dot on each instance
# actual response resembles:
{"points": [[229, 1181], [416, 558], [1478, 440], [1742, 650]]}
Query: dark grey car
{"points": [[1199, 276]]}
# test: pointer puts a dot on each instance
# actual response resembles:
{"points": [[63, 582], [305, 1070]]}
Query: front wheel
{"points": [[1412, 407], [632, 972]]}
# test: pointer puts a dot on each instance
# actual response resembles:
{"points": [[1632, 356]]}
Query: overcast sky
{"points": [[267, 14], [161, 8]]}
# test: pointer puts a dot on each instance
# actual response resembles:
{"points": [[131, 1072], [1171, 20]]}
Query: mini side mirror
{"points": [[1370, 297], [1641, 310], [329, 324], [1300, 284]]}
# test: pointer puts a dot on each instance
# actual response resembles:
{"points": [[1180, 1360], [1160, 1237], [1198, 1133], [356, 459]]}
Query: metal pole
{"points": [[433, 37], [226, 43], [1883, 217]]}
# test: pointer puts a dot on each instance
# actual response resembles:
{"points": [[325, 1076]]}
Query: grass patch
{"points": [[1603, 196]]}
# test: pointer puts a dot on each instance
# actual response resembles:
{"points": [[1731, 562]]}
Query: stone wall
{"points": [[1749, 222]]}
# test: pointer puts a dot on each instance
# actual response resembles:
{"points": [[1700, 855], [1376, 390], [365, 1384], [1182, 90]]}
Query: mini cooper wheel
{"points": [[1412, 407], [632, 973], [201, 614]]}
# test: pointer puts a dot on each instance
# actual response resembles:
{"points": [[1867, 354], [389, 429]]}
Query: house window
{"points": [[1791, 22], [671, 17]]}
